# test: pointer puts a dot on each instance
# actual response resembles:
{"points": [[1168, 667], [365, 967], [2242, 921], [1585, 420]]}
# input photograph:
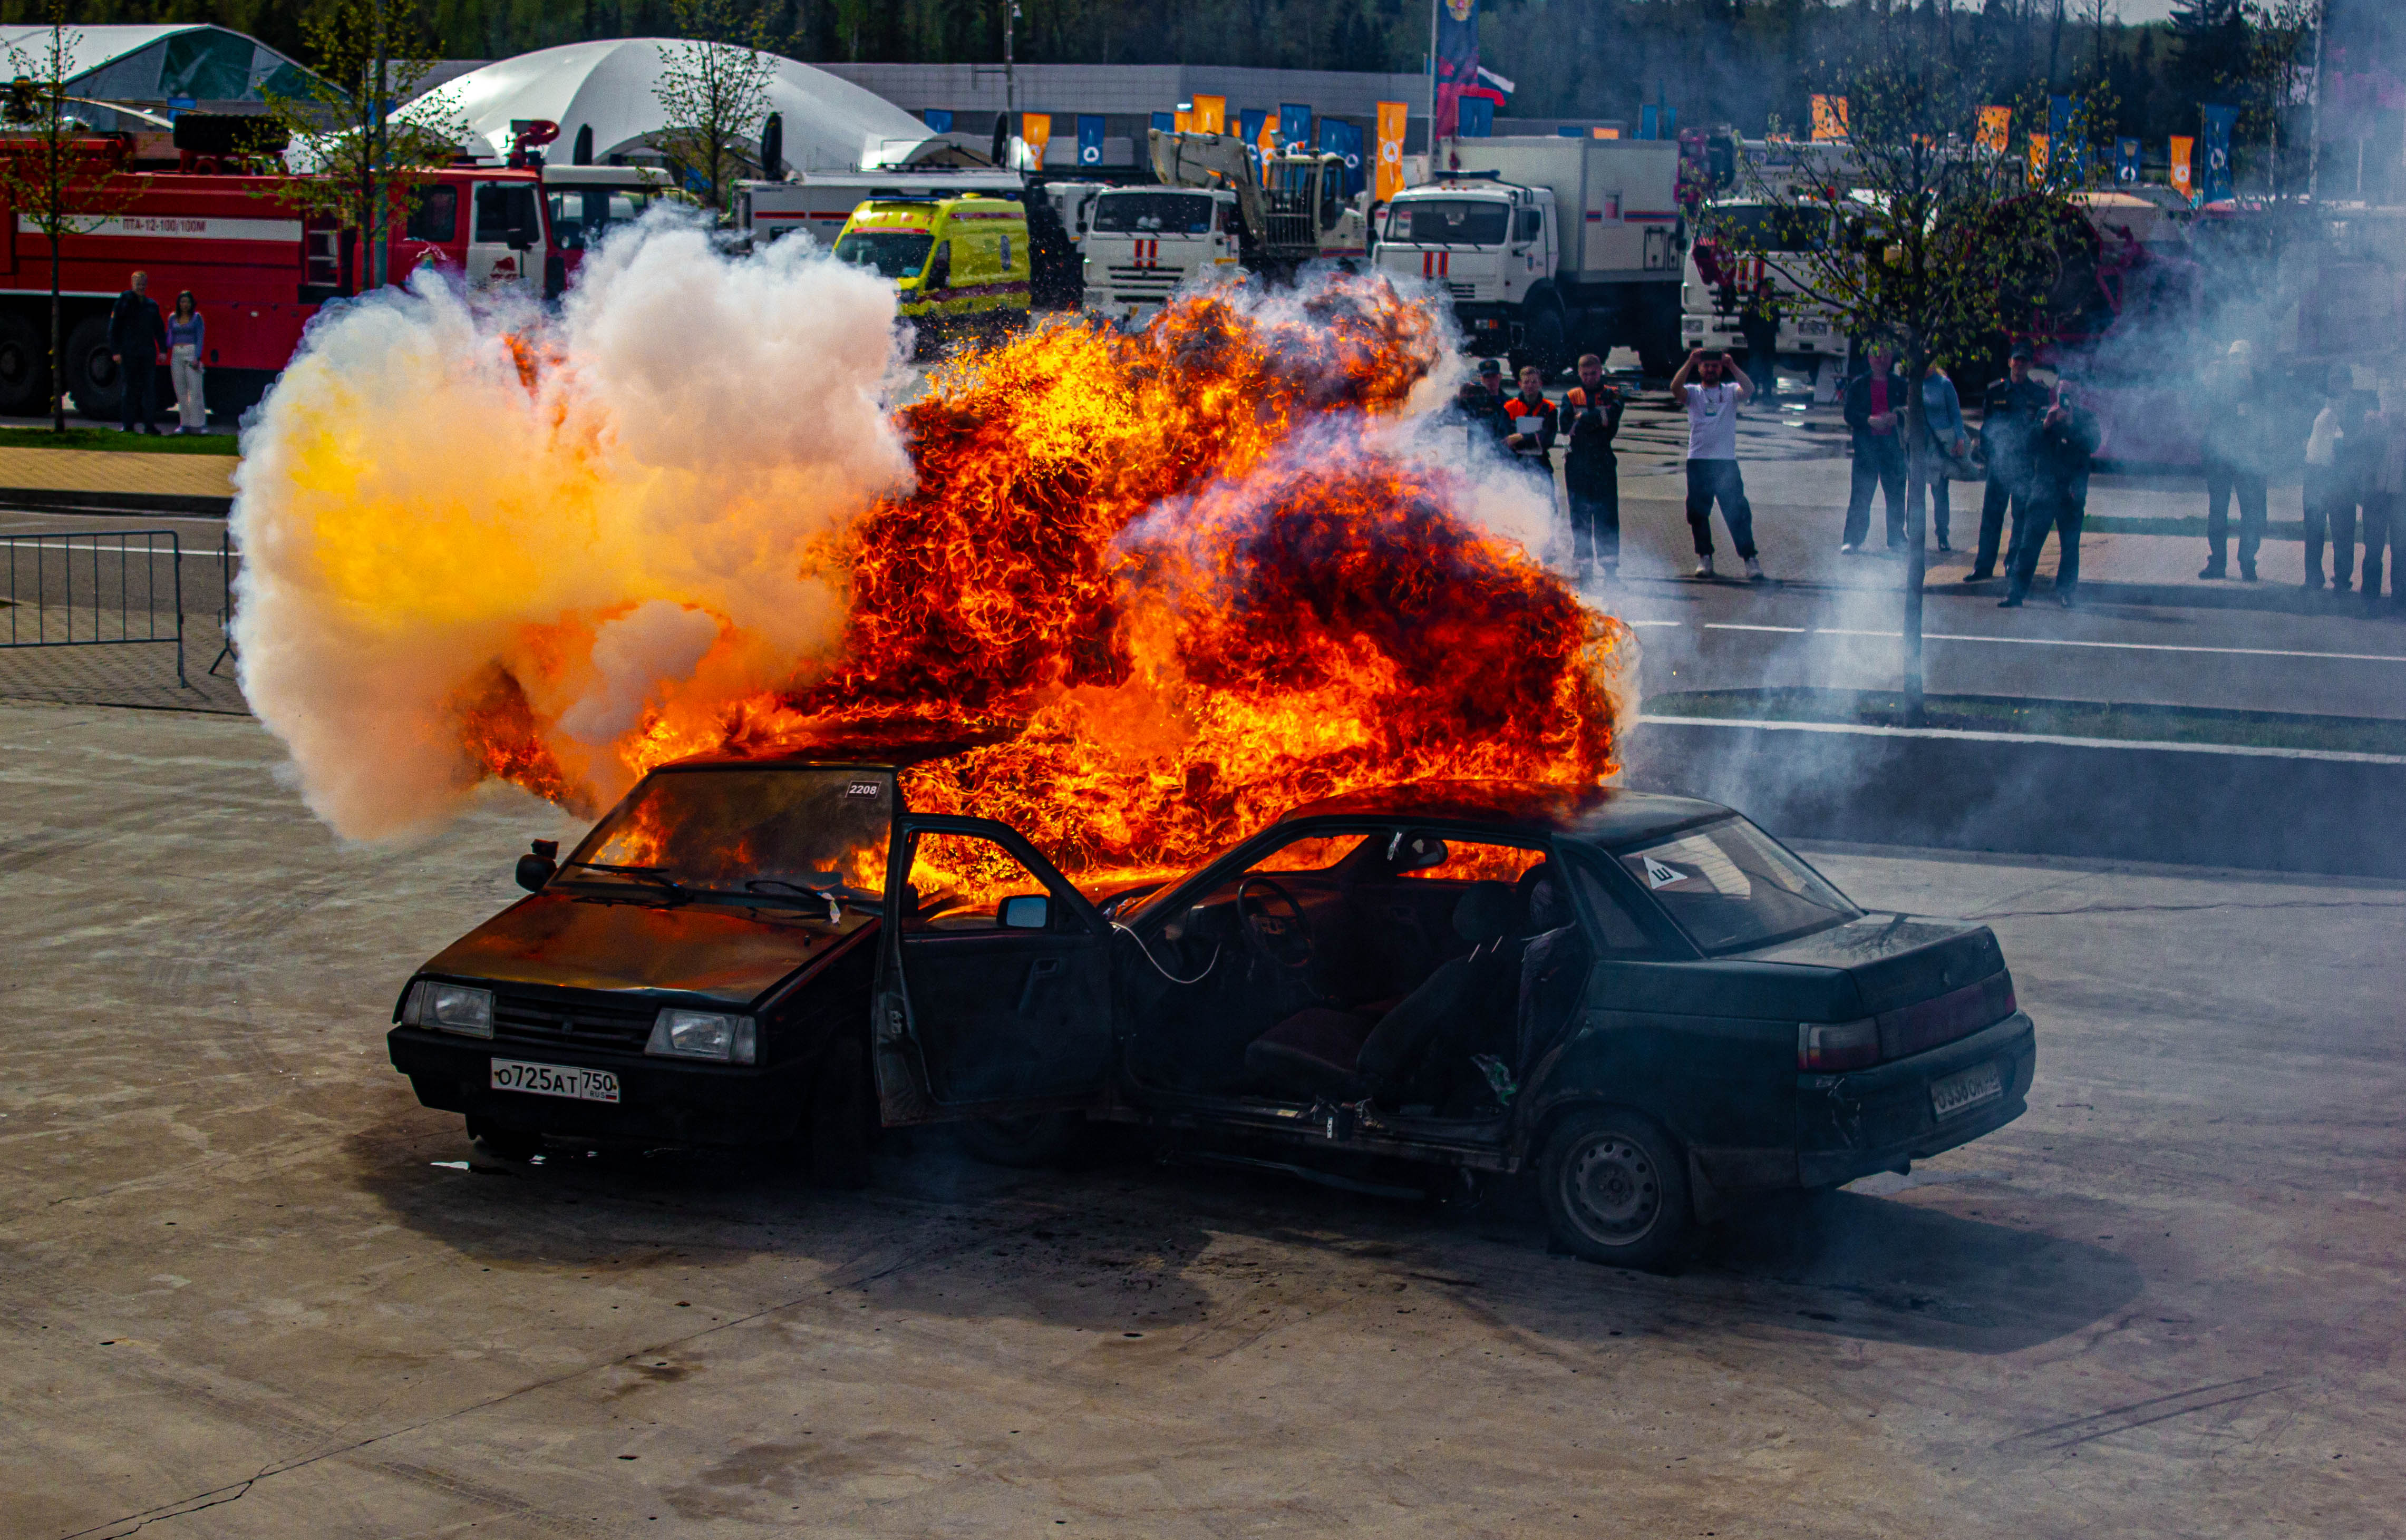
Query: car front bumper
{"points": [[659, 1101], [1877, 1120]]}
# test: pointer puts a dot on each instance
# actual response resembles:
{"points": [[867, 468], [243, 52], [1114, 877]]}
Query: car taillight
{"points": [[1821, 1048]]}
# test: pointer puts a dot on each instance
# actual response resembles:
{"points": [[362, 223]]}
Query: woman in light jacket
{"points": [[187, 335], [1941, 410]]}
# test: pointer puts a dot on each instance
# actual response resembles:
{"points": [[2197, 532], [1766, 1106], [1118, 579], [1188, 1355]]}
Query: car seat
{"points": [[1345, 1055]]}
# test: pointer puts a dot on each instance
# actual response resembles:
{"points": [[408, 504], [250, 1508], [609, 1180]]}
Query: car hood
{"points": [[552, 938], [1895, 959]]}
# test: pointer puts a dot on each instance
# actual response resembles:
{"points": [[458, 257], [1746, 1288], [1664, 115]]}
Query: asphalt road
{"points": [[247, 1286]]}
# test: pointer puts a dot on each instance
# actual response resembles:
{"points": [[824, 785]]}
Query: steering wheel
{"points": [[1283, 941]]}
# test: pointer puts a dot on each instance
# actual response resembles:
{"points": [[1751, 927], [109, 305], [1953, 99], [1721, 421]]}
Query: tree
{"points": [[1925, 251], [362, 156], [713, 91], [53, 175], [2277, 31]]}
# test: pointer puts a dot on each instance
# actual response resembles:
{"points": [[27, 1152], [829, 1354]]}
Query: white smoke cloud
{"points": [[414, 512]]}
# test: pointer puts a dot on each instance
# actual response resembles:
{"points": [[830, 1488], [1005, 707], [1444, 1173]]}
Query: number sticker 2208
{"points": [[555, 1079]]}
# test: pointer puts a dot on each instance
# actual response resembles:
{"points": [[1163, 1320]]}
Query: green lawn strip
{"points": [[2054, 718], [220, 444], [2184, 525]]}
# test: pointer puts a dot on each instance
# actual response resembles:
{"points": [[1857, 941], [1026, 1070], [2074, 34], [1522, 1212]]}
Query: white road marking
{"points": [[2136, 646], [195, 551], [1653, 622], [1725, 626]]}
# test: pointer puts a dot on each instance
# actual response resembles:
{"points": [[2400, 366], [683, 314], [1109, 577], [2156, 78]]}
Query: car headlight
{"points": [[704, 1034], [449, 1008]]}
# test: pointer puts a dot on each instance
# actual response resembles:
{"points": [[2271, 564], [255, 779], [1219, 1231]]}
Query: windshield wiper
{"points": [[648, 874], [827, 896]]}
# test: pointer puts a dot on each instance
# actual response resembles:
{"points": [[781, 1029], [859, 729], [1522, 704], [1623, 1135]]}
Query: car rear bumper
{"points": [[1876, 1120], [659, 1102]]}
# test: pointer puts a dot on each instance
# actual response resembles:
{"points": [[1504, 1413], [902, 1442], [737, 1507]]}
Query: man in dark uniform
{"points": [[136, 334], [1590, 416], [2238, 413], [2058, 486], [1484, 402], [2010, 413]]}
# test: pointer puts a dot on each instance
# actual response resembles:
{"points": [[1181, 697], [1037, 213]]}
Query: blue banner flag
{"points": [[1165, 121], [1294, 127], [1650, 121], [939, 120], [1090, 139], [2220, 122], [1476, 118], [1337, 138], [2125, 162], [1457, 64], [1249, 128]]}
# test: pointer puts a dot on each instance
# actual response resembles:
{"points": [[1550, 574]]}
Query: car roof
{"points": [[1608, 816]]}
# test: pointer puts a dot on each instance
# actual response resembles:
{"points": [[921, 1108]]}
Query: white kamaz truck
{"points": [[1551, 248], [1734, 264], [1140, 244]]}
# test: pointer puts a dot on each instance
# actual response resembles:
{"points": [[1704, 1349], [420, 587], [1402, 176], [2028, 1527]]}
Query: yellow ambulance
{"points": [[960, 262]]}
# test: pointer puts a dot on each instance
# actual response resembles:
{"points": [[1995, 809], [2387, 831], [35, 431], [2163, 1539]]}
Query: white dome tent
{"points": [[610, 88]]}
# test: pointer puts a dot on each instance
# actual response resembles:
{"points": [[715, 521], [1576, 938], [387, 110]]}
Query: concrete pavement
{"points": [[247, 1286]]}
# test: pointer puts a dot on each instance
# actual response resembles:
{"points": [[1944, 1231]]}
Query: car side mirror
{"points": [[536, 868], [1024, 911]]}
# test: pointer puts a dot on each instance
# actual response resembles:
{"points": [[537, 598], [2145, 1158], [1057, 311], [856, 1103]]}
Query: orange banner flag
{"points": [[1036, 130], [1828, 119], [1392, 119], [1210, 115], [2182, 184], [1995, 130]]}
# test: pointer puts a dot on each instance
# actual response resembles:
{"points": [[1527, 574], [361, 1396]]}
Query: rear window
{"points": [[1456, 221], [1154, 213], [1731, 887]]}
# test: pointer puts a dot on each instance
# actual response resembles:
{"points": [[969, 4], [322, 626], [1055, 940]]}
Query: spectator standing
{"points": [[1943, 439], [186, 338], [1874, 407], [2010, 413], [2385, 499], [1531, 418], [1484, 401], [2355, 460], [137, 333], [2232, 435], [2058, 486], [1590, 417], [1712, 402], [2324, 488]]}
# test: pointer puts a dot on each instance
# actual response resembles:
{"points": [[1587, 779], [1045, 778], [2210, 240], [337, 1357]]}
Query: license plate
{"points": [[555, 1079], [1968, 1089]]}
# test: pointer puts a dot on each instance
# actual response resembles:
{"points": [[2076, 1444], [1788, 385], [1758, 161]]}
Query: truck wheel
{"points": [[843, 1119], [1615, 1190], [93, 378], [1545, 343], [1041, 1139], [24, 368]]}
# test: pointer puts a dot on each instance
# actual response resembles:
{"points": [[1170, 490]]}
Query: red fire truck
{"points": [[258, 269]]}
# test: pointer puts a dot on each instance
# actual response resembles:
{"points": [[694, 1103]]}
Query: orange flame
{"points": [[1172, 587]]}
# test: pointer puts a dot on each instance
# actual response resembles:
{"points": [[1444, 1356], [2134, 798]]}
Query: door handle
{"points": [[1037, 972]]}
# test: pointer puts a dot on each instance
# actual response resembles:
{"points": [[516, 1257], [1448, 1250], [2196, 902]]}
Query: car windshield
{"points": [[1154, 213], [1731, 887], [770, 836], [1453, 222], [896, 253]]}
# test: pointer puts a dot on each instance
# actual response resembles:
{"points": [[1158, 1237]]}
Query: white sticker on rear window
{"points": [[1659, 875]]}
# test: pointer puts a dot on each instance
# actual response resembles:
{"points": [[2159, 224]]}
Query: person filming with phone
{"points": [[2068, 441]]}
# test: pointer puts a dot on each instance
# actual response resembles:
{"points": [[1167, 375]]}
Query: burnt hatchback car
{"points": [[1643, 1003]]}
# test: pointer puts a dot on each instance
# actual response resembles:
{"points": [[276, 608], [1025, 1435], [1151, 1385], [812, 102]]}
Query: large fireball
{"points": [[1171, 582]]}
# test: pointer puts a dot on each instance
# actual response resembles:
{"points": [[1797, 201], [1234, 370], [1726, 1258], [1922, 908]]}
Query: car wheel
{"points": [[1041, 1138], [504, 1143], [1615, 1189], [843, 1119]]}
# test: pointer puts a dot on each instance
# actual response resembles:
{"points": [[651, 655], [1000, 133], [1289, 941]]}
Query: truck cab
{"points": [[1142, 244], [1735, 262], [584, 202], [1493, 247]]}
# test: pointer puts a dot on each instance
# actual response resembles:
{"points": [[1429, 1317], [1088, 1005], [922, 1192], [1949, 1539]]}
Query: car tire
{"points": [[25, 367], [504, 1143], [1615, 1190], [843, 1119], [94, 378], [1545, 343], [1039, 1140]]}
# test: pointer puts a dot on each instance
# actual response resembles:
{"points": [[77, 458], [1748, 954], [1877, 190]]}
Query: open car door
{"points": [[994, 991]]}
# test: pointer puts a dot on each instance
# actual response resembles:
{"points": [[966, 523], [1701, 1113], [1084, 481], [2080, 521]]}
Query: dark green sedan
{"points": [[1643, 1003]]}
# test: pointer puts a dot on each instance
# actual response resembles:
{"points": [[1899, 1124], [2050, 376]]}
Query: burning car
{"points": [[1643, 1002]]}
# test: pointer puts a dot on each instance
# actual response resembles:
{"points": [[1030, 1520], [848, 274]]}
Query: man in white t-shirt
{"points": [[1712, 404]]}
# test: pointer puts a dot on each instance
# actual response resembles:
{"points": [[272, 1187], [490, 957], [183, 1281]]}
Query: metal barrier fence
{"points": [[78, 589]]}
